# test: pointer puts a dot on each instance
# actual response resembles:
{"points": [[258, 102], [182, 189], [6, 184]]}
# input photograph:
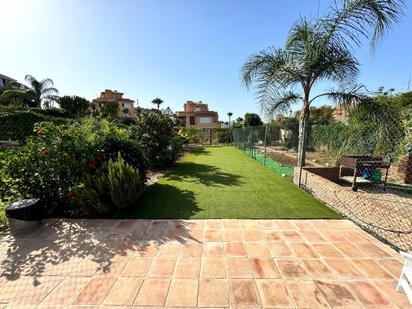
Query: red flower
{"points": [[45, 151], [92, 165], [41, 133], [69, 195], [98, 158]]}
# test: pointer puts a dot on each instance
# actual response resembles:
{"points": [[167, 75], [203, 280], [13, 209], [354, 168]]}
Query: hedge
{"points": [[18, 124], [331, 136]]}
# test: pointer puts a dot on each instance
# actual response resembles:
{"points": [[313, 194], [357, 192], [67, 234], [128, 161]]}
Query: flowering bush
{"points": [[51, 163], [67, 165], [56, 158]]}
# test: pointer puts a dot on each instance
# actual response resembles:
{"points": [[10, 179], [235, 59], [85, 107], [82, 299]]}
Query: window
{"points": [[192, 120], [205, 120]]}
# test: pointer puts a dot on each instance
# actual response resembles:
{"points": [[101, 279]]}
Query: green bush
{"points": [[192, 135], [373, 128], [222, 135], [332, 136], [52, 112], [125, 185], [57, 158], [290, 124], [114, 187], [131, 150], [51, 163], [17, 125], [157, 135], [74, 105], [8, 191], [92, 196]]}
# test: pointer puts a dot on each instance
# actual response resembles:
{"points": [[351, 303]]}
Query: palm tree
{"points": [[41, 90], [230, 114], [157, 101], [319, 50]]}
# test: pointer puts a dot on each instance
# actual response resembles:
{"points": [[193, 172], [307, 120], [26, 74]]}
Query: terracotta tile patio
{"points": [[198, 264]]}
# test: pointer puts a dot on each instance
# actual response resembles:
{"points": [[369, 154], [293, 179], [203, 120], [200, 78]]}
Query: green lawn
{"points": [[223, 182]]}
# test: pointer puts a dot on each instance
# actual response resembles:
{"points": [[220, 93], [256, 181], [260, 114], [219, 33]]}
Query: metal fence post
{"points": [[264, 158]]}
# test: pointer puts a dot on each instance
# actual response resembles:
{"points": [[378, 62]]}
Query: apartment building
{"points": [[126, 108]]}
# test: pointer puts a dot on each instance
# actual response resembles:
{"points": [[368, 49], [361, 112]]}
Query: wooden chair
{"points": [[405, 280]]}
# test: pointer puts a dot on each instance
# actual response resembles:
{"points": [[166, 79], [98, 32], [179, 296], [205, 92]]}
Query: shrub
{"points": [[331, 136], [156, 132], [192, 135], [57, 158], [52, 112], [291, 125], [176, 147], [131, 150], [222, 135], [125, 184], [51, 163], [74, 105], [252, 120], [18, 124], [114, 186], [8, 192], [92, 196]]}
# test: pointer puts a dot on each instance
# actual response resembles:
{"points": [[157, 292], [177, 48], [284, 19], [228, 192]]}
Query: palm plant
{"points": [[41, 90], [157, 101], [319, 50], [230, 114]]}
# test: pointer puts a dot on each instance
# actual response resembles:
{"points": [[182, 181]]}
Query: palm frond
{"points": [[350, 20], [49, 91], [30, 79], [51, 97], [271, 67], [273, 101], [355, 94], [338, 65], [47, 82]]}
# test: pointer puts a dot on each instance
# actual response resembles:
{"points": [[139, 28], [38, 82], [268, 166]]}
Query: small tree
{"points": [[230, 114], [110, 109], [252, 120], [238, 123], [318, 50], [75, 105], [40, 90], [158, 102]]}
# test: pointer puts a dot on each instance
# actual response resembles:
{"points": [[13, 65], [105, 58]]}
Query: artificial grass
{"points": [[273, 165], [223, 182]]}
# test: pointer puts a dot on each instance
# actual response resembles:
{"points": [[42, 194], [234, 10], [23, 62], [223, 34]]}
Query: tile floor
{"points": [[198, 264]]}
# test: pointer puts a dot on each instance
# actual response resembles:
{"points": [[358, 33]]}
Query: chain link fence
{"points": [[360, 165]]}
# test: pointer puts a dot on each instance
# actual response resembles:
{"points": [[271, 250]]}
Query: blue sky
{"points": [[174, 49]]}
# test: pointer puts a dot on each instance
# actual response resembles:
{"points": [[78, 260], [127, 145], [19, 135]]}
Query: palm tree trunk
{"points": [[303, 125]]}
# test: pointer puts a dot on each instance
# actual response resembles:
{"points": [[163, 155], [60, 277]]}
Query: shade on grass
{"points": [[223, 182]]}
